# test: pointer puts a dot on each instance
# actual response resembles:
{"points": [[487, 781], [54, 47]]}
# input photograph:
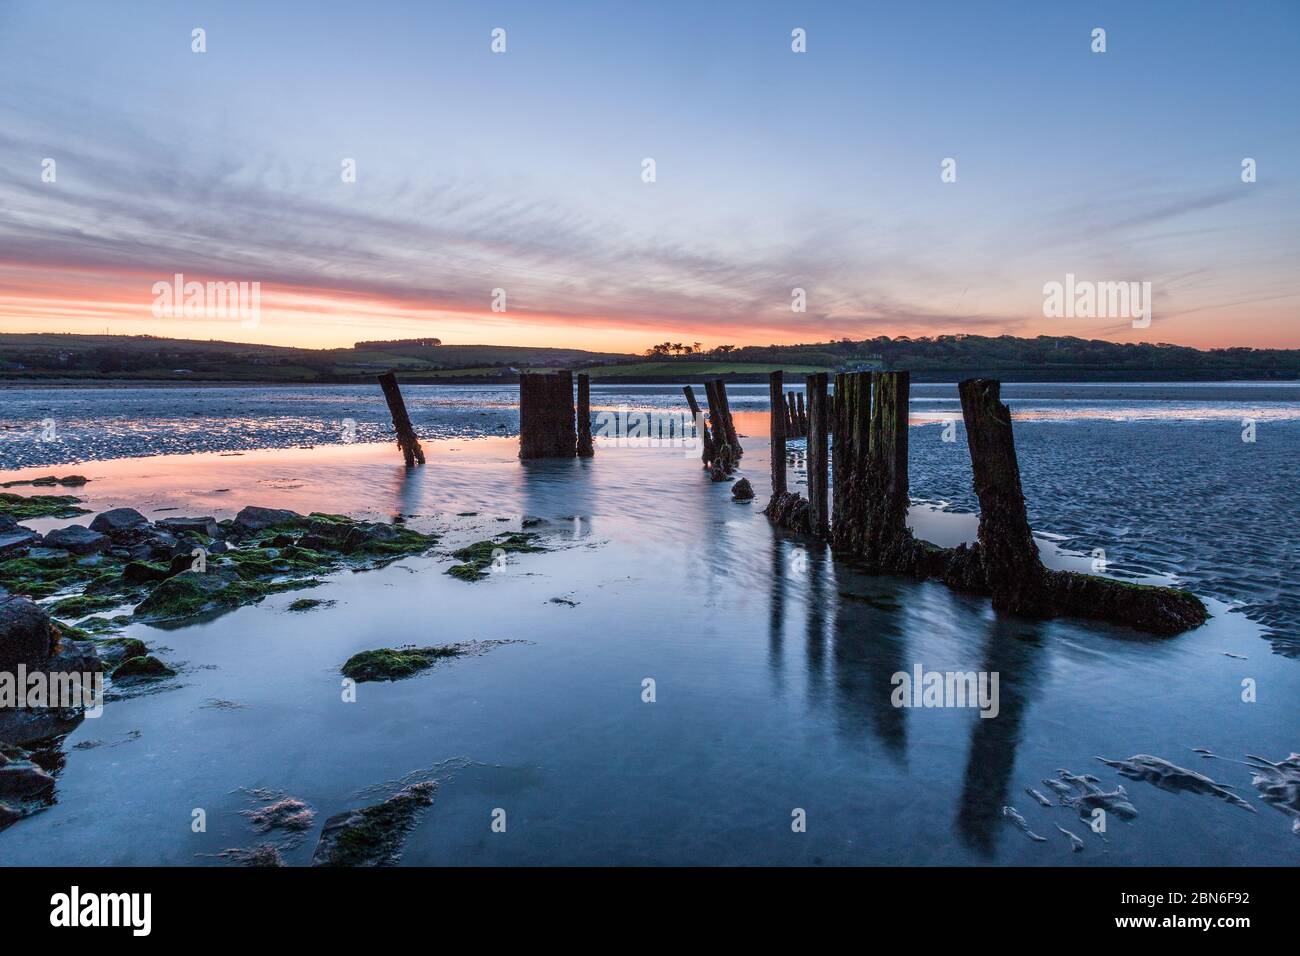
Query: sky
{"points": [[773, 170]]}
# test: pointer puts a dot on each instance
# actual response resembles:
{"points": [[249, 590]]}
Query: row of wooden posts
{"points": [[858, 494], [863, 512]]}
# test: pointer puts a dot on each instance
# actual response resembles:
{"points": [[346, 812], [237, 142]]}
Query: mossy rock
{"points": [[387, 663], [120, 649], [40, 577], [22, 507], [372, 836], [308, 604], [192, 592], [142, 667], [83, 604], [477, 557]]}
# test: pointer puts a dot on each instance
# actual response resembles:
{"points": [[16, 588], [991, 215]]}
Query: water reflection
{"points": [[1013, 650]]}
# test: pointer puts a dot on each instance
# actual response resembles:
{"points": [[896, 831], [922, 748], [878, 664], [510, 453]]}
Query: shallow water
{"points": [[772, 668]]}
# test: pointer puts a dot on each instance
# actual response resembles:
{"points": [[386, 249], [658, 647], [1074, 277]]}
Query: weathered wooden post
{"points": [[585, 447], [546, 417], [802, 413], [733, 439], [818, 460], [723, 458], [406, 439], [853, 440], [839, 410], [706, 442], [777, 398], [1012, 569], [791, 420], [886, 538]]}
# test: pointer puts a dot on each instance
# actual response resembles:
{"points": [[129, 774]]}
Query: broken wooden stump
{"points": [[1006, 555], [406, 440], [729, 424], [818, 459], [1013, 572], [585, 447], [777, 430], [546, 417], [701, 426], [723, 461]]}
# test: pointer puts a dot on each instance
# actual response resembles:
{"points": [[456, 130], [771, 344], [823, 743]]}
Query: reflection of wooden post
{"points": [[585, 448], [706, 443], [546, 416], [777, 399], [817, 458], [1012, 568], [406, 439]]}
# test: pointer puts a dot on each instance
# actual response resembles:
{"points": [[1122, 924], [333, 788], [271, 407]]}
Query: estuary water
{"points": [[772, 666]]}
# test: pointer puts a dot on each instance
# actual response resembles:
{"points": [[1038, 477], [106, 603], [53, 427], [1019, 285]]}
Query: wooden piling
{"points": [[706, 442], [818, 460], [723, 460], [1012, 569], [887, 542], [777, 398], [791, 420], [801, 413], [733, 439], [585, 448], [406, 440], [852, 439], [546, 416], [838, 483]]}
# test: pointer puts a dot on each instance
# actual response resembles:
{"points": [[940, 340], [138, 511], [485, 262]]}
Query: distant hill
{"points": [[68, 357]]}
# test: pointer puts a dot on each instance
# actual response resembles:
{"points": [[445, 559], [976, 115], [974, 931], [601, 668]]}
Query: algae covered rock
{"points": [[193, 592], [373, 836], [144, 667], [39, 506], [388, 663], [478, 557], [742, 490]]}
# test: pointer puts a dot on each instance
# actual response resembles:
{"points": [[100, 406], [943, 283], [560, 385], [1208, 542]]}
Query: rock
{"points": [[115, 650], [144, 667], [26, 634], [742, 490], [7, 523], [372, 836], [142, 572], [123, 525], [16, 539], [78, 539], [205, 525], [23, 780], [387, 663], [252, 518], [191, 592]]}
